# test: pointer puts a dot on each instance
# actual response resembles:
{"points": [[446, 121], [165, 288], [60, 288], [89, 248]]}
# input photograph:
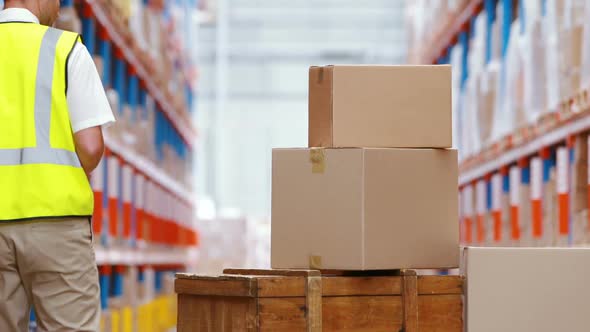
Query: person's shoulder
{"points": [[69, 35]]}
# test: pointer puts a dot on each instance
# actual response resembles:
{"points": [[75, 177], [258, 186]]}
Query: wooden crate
{"points": [[310, 300]]}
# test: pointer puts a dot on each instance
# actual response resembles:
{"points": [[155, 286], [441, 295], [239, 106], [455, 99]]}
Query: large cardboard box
{"points": [[364, 209], [380, 106], [527, 289]]}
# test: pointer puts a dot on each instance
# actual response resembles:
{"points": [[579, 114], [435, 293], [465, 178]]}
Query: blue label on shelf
{"points": [[464, 41], [104, 281], [525, 176], [489, 195], [120, 82], [106, 54], [158, 281], [506, 24], [490, 8], [546, 170], [89, 34], [133, 96], [117, 284]]}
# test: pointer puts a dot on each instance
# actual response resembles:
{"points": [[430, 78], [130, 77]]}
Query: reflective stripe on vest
{"points": [[43, 153]]}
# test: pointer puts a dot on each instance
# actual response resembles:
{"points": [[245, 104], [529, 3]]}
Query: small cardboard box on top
{"points": [[380, 106], [364, 208]]}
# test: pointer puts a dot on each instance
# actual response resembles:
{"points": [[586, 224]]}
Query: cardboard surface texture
{"points": [[364, 209], [380, 106], [527, 289]]}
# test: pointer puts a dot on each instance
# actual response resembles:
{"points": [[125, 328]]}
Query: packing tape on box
{"points": [[315, 262], [317, 157]]}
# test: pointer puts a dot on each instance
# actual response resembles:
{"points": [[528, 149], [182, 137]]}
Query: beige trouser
{"points": [[50, 265]]}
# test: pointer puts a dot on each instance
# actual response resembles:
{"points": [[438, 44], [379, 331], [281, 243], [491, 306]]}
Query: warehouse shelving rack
{"points": [[98, 24], [549, 142], [185, 129]]}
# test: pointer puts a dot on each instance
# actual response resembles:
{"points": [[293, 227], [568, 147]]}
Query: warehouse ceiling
{"points": [[253, 62], [299, 30]]}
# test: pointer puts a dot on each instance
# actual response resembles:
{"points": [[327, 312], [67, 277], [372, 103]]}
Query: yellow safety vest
{"points": [[40, 173]]}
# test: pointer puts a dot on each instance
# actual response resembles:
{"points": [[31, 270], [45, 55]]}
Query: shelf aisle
{"points": [[185, 128], [522, 115]]}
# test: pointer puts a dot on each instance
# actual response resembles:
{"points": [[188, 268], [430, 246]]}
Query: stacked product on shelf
{"points": [[377, 188], [143, 223], [521, 79]]}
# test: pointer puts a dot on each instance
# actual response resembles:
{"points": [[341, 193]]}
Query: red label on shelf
{"points": [[97, 184], [113, 193], [514, 202], [564, 207], [497, 215], [139, 206], [537, 213], [97, 216]]}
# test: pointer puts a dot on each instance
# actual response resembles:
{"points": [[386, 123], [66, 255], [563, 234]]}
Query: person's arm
{"points": [[89, 147], [88, 107]]}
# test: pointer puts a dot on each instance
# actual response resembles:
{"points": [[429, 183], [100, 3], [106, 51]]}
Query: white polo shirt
{"points": [[87, 102]]}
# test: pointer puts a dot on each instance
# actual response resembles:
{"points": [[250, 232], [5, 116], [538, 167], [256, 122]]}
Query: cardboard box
{"points": [[380, 106], [526, 289], [364, 209]]}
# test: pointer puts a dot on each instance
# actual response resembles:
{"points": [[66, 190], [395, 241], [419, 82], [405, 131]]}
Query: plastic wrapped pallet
{"points": [[470, 133], [534, 75], [514, 84], [536, 201], [509, 113], [471, 100], [136, 23], [456, 54], [550, 208], [513, 228], [579, 192], [525, 213], [481, 221], [505, 208], [552, 23], [570, 60], [585, 66], [487, 102], [146, 131], [152, 28], [113, 98], [563, 220], [496, 205]]}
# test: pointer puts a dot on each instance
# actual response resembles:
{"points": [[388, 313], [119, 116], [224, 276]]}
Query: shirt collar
{"points": [[17, 15]]}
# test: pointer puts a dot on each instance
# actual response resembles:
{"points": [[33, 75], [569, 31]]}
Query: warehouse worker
{"points": [[52, 107]]}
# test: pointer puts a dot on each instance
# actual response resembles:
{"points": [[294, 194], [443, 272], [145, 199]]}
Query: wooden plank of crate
{"points": [[281, 314], [273, 272], [220, 286], [276, 286], [313, 303], [440, 285], [440, 311], [347, 286], [410, 300], [362, 313], [213, 313]]}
